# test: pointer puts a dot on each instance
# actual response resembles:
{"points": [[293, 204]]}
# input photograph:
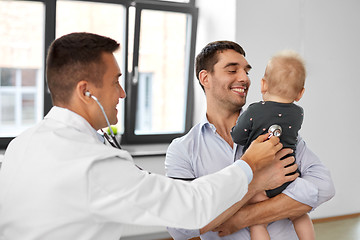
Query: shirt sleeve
{"points": [[315, 185], [119, 192], [177, 165], [183, 234], [177, 161]]}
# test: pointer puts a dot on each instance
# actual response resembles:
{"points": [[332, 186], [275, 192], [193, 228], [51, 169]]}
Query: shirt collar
{"points": [[205, 121], [73, 120]]}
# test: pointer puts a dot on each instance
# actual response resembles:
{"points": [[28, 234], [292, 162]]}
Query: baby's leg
{"points": [[259, 232], [304, 227]]}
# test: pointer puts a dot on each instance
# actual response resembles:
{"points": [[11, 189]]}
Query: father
{"points": [[222, 71]]}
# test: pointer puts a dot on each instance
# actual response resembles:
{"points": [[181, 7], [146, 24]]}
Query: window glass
{"points": [[21, 65], [7, 119], [100, 18], [29, 77], [162, 81], [8, 77], [28, 110]]}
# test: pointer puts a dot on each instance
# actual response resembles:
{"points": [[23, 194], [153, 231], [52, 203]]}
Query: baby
{"points": [[282, 84]]}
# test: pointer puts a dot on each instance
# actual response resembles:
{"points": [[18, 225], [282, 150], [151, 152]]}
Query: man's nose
{"points": [[122, 93], [243, 77]]}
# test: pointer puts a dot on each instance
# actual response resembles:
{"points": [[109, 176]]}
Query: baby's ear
{"points": [[264, 86], [299, 96]]}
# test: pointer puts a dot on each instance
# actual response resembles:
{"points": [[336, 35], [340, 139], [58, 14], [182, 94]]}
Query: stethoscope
{"points": [[113, 142], [275, 130], [111, 139]]}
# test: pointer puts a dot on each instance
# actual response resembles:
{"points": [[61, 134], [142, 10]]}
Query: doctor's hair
{"points": [[285, 74], [75, 57], [208, 56]]}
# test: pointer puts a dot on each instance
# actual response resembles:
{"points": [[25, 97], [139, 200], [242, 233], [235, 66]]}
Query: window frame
{"points": [[128, 136]]}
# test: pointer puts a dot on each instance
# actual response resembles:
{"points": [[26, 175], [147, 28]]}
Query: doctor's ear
{"points": [[82, 91]]}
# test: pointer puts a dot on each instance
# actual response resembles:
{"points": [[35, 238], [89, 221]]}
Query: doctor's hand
{"points": [[261, 152]]}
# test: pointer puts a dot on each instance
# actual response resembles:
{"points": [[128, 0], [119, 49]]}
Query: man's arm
{"points": [[313, 188], [267, 178], [178, 166], [316, 185], [271, 210]]}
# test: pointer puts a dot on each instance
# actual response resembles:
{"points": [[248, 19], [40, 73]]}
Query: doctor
{"points": [[59, 181]]}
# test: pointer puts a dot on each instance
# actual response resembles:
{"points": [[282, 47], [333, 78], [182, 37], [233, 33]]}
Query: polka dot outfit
{"points": [[257, 119]]}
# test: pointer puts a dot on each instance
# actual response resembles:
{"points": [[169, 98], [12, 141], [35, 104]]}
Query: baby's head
{"points": [[284, 77]]}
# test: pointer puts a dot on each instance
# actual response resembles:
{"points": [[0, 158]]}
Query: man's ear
{"points": [[299, 96], [264, 86], [80, 91], [204, 78]]}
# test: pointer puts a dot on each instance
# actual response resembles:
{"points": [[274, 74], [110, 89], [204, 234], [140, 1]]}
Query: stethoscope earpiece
{"points": [[114, 143]]}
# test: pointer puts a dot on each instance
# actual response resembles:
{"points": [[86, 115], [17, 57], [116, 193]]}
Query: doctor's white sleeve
{"points": [[119, 192]]}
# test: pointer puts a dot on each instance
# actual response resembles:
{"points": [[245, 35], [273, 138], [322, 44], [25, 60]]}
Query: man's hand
{"points": [[261, 152], [274, 175], [228, 227]]}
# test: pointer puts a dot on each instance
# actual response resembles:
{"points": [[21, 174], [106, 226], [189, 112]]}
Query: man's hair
{"points": [[75, 57], [285, 74], [208, 56]]}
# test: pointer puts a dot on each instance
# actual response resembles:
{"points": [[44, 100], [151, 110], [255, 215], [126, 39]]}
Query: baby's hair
{"points": [[285, 74]]}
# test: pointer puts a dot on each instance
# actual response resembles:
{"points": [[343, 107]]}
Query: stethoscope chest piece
{"points": [[275, 130]]}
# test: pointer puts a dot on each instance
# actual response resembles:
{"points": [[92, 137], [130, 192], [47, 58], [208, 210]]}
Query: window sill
{"points": [[145, 150], [136, 150]]}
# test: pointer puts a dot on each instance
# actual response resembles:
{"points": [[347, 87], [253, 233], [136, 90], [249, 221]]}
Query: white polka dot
{"points": [[280, 114], [250, 119], [245, 130], [264, 129], [289, 126]]}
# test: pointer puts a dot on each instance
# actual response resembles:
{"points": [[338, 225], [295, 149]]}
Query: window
{"points": [[161, 72], [157, 55], [21, 66]]}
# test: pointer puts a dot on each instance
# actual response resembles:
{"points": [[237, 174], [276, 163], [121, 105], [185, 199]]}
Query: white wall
{"points": [[217, 21], [327, 34]]}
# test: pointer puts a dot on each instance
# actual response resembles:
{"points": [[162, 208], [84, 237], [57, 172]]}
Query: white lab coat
{"points": [[58, 181]]}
